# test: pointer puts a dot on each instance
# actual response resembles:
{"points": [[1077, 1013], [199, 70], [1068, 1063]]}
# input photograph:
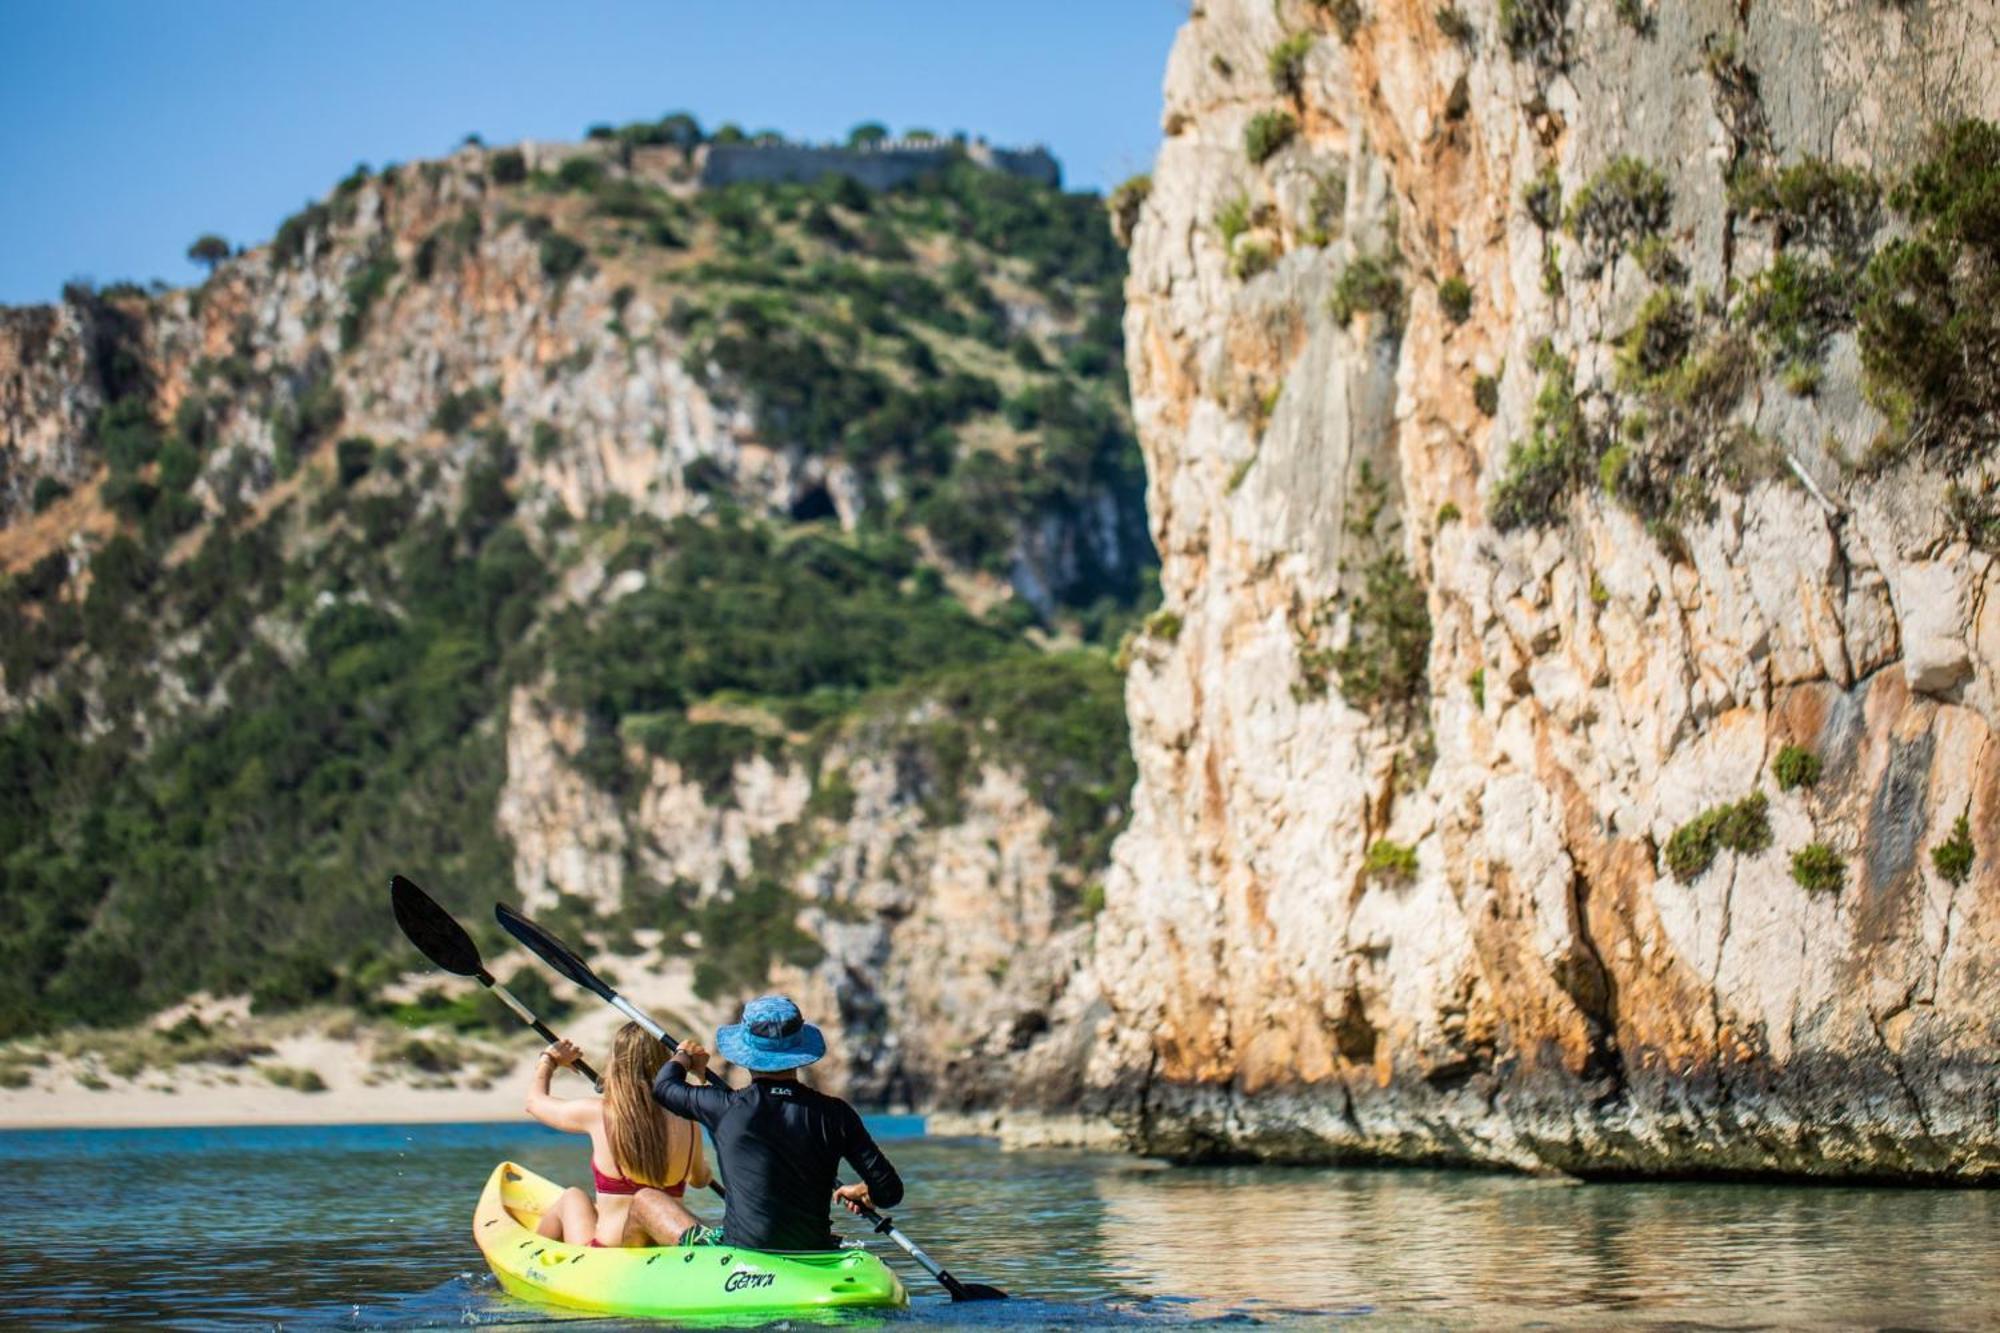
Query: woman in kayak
{"points": [[634, 1146]]}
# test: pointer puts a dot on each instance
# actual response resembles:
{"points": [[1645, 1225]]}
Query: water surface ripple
{"points": [[369, 1227]]}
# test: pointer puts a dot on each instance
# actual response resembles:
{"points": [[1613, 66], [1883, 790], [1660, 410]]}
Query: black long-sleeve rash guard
{"points": [[780, 1145]]}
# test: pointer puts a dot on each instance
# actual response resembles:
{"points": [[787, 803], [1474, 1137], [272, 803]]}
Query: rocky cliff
{"points": [[731, 575], [1567, 742]]}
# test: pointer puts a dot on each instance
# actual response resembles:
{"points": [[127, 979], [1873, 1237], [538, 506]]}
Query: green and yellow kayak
{"points": [[702, 1280]]}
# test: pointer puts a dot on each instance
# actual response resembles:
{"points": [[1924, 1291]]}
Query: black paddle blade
{"points": [[550, 950], [433, 930], [970, 1291]]}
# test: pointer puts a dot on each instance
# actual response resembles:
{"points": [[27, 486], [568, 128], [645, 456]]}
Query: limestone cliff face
{"points": [[951, 974], [471, 311], [1537, 985], [909, 399]]}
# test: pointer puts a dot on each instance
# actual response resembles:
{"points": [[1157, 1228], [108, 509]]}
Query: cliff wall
{"points": [[1576, 662], [731, 577]]}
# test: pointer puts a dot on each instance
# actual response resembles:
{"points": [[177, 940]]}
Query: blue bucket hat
{"points": [[773, 1036]]}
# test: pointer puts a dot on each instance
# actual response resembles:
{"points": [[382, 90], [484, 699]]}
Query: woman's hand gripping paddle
{"points": [[442, 940], [565, 960]]}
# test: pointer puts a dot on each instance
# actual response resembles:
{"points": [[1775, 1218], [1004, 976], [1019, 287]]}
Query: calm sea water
{"points": [[369, 1227]]}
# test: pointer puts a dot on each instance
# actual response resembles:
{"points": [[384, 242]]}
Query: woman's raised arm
{"points": [[573, 1117]]}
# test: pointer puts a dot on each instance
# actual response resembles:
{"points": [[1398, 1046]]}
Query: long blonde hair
{"points": [[641, 1135]]}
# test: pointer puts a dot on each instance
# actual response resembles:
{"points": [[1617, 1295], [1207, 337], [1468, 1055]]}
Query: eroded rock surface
{"points": [[1535, 987]]}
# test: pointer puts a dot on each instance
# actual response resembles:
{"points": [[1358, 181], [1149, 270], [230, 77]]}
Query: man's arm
{"points": [[703, 1104], [883, 1188], [698, 1175]]}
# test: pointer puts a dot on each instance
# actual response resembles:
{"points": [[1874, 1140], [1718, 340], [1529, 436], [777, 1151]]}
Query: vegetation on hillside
{"points": [[1919, 306], [239, 716]]}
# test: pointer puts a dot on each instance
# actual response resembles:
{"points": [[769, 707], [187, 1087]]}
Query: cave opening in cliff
{"points": [[813, 505]]}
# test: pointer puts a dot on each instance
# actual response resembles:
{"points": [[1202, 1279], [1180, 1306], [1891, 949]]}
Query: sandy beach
{"points": [[142, 1107], [78, 1092], [247, 1070]]}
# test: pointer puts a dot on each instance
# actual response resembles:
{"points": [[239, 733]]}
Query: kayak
{"points": [[696, 1280]]}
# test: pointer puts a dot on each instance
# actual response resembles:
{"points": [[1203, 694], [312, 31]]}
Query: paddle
{"points": [[565, 960], [440, 938]]}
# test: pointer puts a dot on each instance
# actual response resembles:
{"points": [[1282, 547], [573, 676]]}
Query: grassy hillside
{"points": [[283, 671]]}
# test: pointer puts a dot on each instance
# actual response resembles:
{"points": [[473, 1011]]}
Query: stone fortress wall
{"points": [[882, 166]]}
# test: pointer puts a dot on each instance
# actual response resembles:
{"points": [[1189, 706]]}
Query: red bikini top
{"points": [[620, 1185]]}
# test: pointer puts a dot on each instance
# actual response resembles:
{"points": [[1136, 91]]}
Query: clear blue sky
{"points": [[128, 127]]}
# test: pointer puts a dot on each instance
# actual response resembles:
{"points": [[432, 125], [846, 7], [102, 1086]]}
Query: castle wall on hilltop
{"points": [[894, 163]]}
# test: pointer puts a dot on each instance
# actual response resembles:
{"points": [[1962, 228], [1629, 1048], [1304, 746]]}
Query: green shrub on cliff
{"points": [[299, 424], [1455, 299], [1795, 766], [1382, 666], [1486, 394], [128, 434], [1635, 15], [48, 491], [1657, 340], [1743, 827], [1056, 719], [1453, 23], [1124, 204], [1953, 857], [1929, 314], [1811, 202], [1250, 258], [1796, 305], [744, 927], [363, 288], [1267, 132], [581, 174], [1533, 29], [1287, 63], [1817, 868], [1556, 455], [1392, 861], [1232, 219], [1541, 199], [1369, 283], [1346, 16], [1622, 204], [298, 231], [561, 256]]}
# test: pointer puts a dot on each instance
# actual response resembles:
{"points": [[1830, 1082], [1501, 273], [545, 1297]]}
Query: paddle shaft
{"points": [[440, 938], [527, 1015]]}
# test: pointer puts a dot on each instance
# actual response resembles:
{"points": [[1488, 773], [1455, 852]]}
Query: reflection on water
{"points": [[369, 1227], [1449, 1246]]}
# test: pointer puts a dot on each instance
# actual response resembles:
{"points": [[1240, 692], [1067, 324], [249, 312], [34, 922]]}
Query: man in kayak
{"points": [[779, 1142]]}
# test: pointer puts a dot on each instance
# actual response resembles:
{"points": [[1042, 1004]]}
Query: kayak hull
{"points": [[665, 1282]]}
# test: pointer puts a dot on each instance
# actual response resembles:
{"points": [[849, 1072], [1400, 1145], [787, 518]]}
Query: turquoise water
{"points": [[369, 1227]]}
